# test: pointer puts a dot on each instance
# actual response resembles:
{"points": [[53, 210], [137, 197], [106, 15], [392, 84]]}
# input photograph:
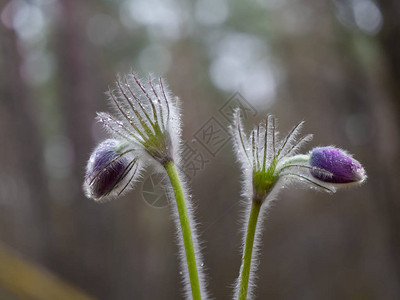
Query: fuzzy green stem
{"points": [[185, 227], [248, 250]]}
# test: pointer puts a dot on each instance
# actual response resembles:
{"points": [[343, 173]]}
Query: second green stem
{"points": [[248, 250]]}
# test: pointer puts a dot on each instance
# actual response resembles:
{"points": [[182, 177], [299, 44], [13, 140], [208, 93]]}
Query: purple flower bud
{"points": [[343, 167], [109, 171]]}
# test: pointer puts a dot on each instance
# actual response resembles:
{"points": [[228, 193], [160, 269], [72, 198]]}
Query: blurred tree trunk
{"points": [[23, 187], [80, 253], [76, 72], [389, 38]]}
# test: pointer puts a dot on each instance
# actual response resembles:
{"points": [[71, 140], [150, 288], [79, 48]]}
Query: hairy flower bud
{"points": [[110, 170], [342, 166], [146, 129]]}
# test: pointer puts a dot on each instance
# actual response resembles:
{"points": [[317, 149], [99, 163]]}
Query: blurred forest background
{"points": [[334, 64]]}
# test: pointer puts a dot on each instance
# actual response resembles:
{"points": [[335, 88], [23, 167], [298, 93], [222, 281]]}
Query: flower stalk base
{"points": [[185, 227]]}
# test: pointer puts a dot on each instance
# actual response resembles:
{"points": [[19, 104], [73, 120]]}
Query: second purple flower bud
{"points": [[342, 167]]}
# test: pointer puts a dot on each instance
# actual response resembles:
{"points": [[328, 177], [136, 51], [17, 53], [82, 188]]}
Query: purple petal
{"points": [[105, 170], [343, 167]]}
